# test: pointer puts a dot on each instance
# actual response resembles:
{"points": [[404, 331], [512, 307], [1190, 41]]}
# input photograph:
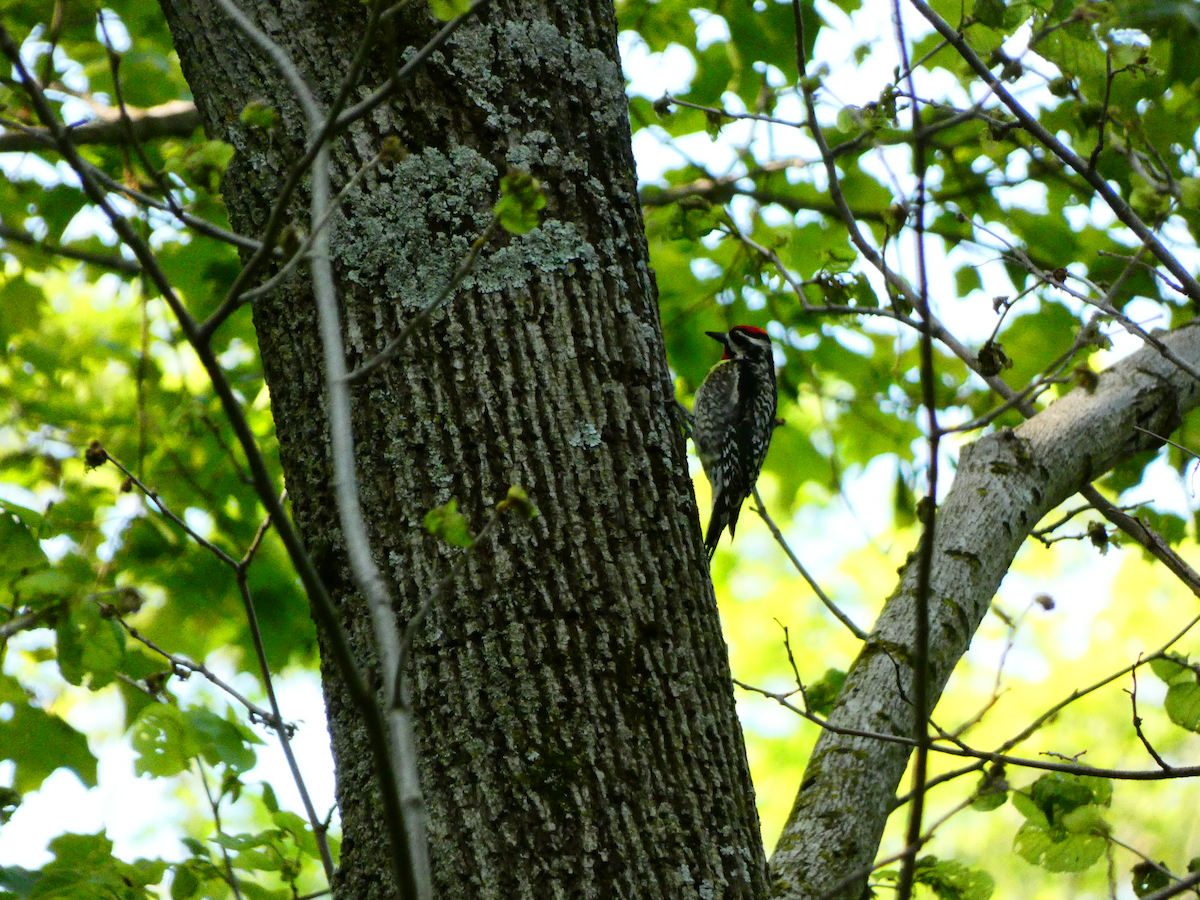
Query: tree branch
{"points": [[178, 118], [1023, 474]]}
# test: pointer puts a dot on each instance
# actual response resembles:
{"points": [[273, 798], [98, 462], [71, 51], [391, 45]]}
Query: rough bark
{"points": [[1005, 483], [576, 721]]}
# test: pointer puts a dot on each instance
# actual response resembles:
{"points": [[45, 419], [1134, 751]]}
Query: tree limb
{"points": [[178, 118], [1006, 483]]}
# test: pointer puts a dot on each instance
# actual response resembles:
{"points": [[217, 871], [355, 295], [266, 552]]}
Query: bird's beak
{"points": [[719, 336]]}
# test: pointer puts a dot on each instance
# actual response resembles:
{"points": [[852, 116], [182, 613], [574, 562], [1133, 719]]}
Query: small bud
{"points": [[447, 523], [259, 114], [992, 359], [95, 456], [393, 150], [518, 501]]}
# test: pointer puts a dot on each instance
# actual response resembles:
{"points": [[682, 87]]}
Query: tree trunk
{"points": [[576, 723]]}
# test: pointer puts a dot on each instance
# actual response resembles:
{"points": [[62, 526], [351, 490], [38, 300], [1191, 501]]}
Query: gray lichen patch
{"points": [[416, 225], [553, 246]]}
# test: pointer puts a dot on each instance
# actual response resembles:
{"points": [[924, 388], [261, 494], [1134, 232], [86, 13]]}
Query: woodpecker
{"points": [[732, 422]]}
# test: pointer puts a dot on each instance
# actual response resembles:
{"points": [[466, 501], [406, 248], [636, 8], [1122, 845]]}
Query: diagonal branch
{"points": [[1022, 474]]}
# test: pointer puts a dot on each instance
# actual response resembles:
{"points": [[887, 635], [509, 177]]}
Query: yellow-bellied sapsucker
{"points": [[732, 422]]}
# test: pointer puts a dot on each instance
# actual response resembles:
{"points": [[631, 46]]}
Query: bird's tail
{"points": [[724, 514]]}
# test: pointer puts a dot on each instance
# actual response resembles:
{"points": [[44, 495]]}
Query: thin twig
{"points": [[1138, 261], [178, 118], [1159, 437], [1104, 111], [812, 583], [406, 816], [126, 121], [1151, 540], [1137, 724], [284, 273], [1052, 713], [43, 139], [920, 665], [414, 64], [152, 495], [107, 261], [24, 623], [214, 804], [319, 829], [182, 665], [1104, 304], [987, 756]]}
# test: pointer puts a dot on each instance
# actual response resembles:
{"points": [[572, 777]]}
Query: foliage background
{"points": [[92, 355]]}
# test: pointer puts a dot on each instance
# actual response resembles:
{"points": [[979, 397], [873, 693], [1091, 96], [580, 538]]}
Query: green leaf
{"points": [[966, 279], [10, 802], [1057, 849], [1148, 878], [517, 499], [258, 114], [1057, 793], [81, 849], [47, 583], [299, 829], [90, 645], [38, 742], [201, 163], [220, 741], [255, 891], [1182, 705], [185, 883], [268, 798], [989, 12], [950, 879], [447, 523], [449, 9], [991, 793], [1172, 669], [85, 868], [21, 549], [20, 307], [521, 196], [1064, 829], [160, 737], [1172, 527], [17, 882]]}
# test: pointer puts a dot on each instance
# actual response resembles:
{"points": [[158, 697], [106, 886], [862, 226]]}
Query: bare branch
{"points": [[812, 583], [177, 118], [50, 248]]}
